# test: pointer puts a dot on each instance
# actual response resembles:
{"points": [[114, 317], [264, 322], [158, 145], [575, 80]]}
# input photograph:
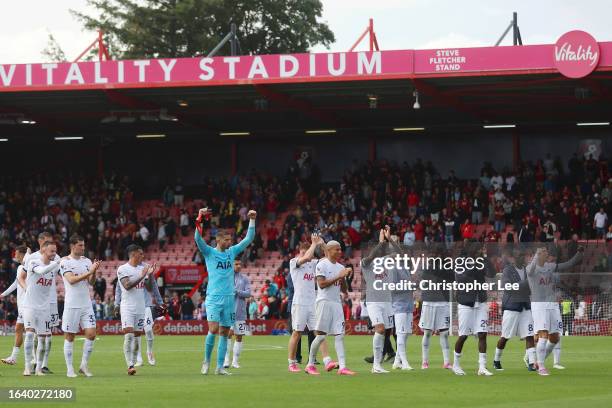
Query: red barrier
{"points": [[279, 327]]}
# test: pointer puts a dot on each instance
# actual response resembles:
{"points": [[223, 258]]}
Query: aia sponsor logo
{"points": [[383, 275], [308, 276], [44, 282], [545, 281], [224, 265]]}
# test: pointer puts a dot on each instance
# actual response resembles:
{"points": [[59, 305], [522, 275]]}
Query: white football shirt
{"points": [[38, 286], [303, 278], [77, 295], [38, 255], [133, 300], [329, 270]]}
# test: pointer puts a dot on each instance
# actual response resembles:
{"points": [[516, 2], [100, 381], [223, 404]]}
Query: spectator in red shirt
{"points": [[272, 235], [272, 207], [467, 230], [279, 279], [419, 231], [346, 307], [413, 202]]}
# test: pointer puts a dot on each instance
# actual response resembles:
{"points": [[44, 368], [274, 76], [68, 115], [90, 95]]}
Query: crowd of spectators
{"points": [[538, 201]]}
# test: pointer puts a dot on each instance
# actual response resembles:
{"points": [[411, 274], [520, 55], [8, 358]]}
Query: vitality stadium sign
{"points": [[575, 54]]}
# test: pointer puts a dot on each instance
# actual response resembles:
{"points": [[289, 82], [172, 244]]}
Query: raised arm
{"points": [[532, 265], [250, 236], [44, 269], [199, 231], [309, 254], [377, 251], [576, 259]]}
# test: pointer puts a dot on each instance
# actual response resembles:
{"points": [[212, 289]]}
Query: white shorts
{"points": [[55, 317], [380, 313], [149, 322], [473, 320], [302, 316], [547, 319], [403, 323], [517, 324], [240, 328], [37, 319], [435, 316], [132, 319], [329, 318], [19, 316], [76, 317]]}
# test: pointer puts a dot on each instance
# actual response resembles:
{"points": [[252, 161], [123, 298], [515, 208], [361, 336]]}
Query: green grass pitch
{"points": [[263, 380]]}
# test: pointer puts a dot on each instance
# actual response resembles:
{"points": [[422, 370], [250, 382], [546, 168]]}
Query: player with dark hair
{"points": [[131, 276]]}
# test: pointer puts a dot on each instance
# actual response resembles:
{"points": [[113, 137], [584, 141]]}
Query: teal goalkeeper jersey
{"points": [[220, 264]]}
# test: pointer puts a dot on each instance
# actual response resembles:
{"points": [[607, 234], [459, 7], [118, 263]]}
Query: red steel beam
{"points": [[300, 105]]}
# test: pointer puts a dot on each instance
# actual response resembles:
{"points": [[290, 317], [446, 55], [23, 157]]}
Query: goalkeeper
{"points": [[220, 308]]}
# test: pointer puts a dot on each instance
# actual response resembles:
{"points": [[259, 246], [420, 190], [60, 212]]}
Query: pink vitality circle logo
{"points": [[576, 54]]}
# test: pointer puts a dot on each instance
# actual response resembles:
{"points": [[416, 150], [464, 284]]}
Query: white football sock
{"points": [[237, 351], [402, 340], [128, 339], [482, 361], [549, 348], [150, 337], [498, 354], [47, 350], [557, 353], [87, 350], [378, 342], [531, 355], [339, 343], [136, 349], [326, 360], [314, 348], [228, 352], [40, 353], [28, 346], [15, 353], [445, 346], [457, 359], [68, 349], [137, 343], [541, 351], [425, 345]]}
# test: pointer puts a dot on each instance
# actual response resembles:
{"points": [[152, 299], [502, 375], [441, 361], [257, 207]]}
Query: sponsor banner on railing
{"points": [[279, 327], [182, 274]]}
